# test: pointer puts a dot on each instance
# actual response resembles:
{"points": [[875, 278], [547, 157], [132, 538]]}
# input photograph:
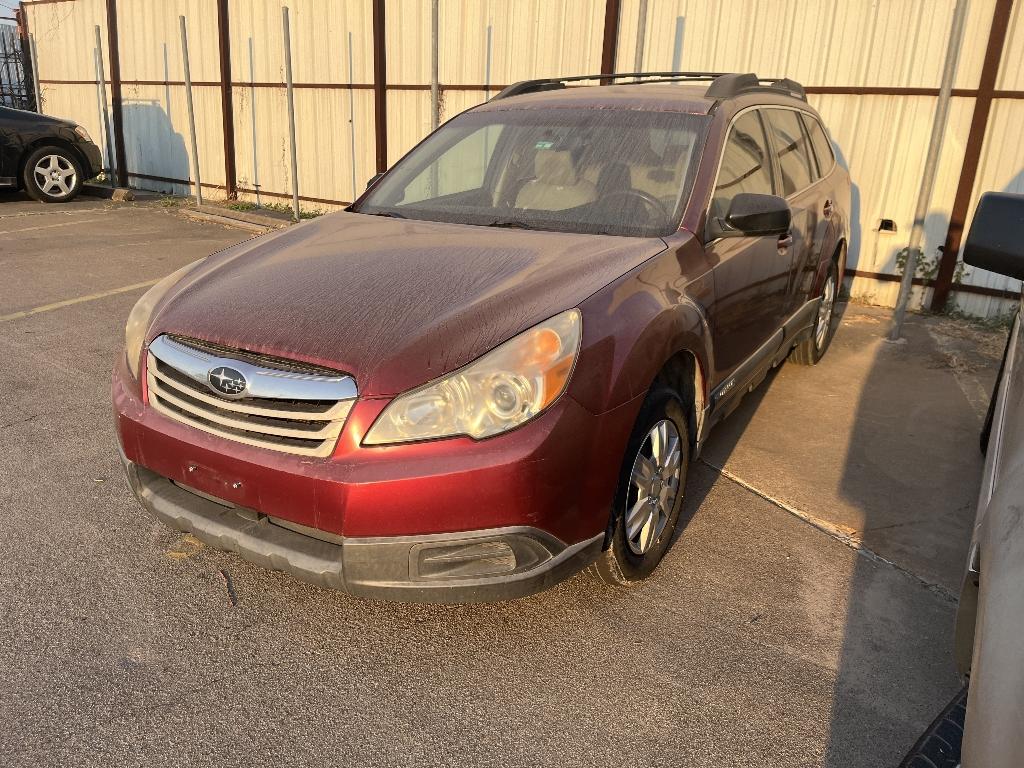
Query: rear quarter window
{"points": [[821, 145], [791, 148]]}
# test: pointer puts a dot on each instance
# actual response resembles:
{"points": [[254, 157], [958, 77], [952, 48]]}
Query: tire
{"points": [[940, 746], [631, 558], [810, 351], [52, 175]]}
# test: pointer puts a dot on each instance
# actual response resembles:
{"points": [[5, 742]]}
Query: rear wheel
{"points": [[810, 351], [52, 175], [650, 491]]}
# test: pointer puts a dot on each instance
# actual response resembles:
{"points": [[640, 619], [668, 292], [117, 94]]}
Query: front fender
{"points": [[634, 326]]}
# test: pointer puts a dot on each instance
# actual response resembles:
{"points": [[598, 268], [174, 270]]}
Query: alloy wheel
{"points": [[828, 300], [654, 486], [55, 175]]}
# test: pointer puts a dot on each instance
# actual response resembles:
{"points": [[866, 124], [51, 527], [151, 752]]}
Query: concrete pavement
{"points": [[760, 641]]}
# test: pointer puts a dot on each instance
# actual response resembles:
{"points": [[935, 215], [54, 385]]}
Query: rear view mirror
{"points": [[752, 215], [995, 241]]}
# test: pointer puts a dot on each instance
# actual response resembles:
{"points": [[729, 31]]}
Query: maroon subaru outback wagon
{"points": [[494, 369]]}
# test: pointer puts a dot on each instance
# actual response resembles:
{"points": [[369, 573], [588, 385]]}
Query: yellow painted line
{"points": [[47, 226], [79, 300]]}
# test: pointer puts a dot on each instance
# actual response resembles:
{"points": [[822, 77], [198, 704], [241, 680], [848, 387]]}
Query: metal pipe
{"points": [[286, 28], [487, 65], [677, 45], [352, 118], [641, 33], [435, 85], [931, 165], [252, 114], [101, 99], [191, 111], [35, 73]]}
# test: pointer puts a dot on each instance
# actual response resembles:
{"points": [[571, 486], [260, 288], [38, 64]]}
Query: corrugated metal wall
{"points": [[873, 68], [64, 35]]}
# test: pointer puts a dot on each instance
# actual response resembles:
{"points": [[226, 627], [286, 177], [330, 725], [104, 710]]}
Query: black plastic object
{"points": [[753, 215], [994, 242], [723, 85]]}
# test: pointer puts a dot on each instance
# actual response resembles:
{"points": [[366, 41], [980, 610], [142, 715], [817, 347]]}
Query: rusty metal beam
{"points": [[380, 96], [611, 38], [116, 101], [227, 106]]}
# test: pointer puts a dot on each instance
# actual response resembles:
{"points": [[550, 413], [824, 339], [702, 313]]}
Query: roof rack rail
{"points": [[555, 83], [727, 86], [723, 84]]}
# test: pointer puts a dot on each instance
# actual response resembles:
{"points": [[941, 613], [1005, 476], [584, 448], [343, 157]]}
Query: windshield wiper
{"points": [[388, 214], [511, 224]]}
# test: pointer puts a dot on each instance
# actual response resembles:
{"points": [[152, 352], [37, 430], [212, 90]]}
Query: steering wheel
{"points": [[651, 203]]}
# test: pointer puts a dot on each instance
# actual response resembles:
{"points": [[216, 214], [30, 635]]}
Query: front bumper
{"points": [[410, 522], [93, 158], [465, 567]]}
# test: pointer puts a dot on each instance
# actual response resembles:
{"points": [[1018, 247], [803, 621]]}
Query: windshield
{"points": [[601, 171]]}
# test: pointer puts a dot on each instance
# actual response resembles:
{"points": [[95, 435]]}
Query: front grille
{"points": [[283, 407]]}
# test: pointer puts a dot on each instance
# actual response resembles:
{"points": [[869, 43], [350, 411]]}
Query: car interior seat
{"points": [[557, 186]]}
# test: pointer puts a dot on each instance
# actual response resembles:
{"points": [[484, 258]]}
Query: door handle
{"points": [[784, 242], [827, 209]]}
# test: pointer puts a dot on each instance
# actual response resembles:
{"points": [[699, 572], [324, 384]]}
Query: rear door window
{"points": [[820, 143], [791, 147], [746, 164]]}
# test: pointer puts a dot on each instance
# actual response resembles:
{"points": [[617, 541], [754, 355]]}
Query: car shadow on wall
{"points": [[854, 247], [156, 153]]}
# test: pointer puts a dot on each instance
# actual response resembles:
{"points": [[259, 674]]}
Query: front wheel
{"points": [[650, 491], [52, 175], [811, 351]]}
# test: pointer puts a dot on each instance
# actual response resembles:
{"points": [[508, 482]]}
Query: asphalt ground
{"points": [[802, 618]]}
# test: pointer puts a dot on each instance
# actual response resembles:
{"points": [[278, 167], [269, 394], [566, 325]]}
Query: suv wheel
{"points": [[52, 175], [650, 491], [809, 352]]}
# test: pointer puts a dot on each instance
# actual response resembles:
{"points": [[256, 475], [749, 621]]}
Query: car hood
{"points": [[395, 302]]}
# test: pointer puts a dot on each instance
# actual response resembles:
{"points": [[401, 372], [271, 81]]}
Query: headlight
{"points": [[83, 133], [138, 320], [507, 387]]}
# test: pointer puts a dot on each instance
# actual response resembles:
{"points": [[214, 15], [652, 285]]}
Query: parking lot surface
{"points": [[803, 617]]}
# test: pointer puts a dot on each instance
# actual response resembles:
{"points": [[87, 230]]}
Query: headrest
{"points": [[555, 168]]}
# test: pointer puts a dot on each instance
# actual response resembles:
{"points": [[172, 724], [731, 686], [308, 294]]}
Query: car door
{"points": [[10, 147], [752, 274], [797, 175]]}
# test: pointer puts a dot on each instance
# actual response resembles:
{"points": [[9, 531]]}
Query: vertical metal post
{"points": [[286, 28], [435, 84], [641, 33], [227, 100], [931, 164], [252, 114], [101, 99], [352, 117], [487, 65], [191, 111], [35, 73], [677, 46]]}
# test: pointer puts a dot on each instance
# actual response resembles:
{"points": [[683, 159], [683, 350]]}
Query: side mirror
{"points": [[752, 215], [994, 242], [373, 180]]}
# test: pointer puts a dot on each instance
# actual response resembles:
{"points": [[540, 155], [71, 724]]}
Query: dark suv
{"points": [[494, 369]]}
